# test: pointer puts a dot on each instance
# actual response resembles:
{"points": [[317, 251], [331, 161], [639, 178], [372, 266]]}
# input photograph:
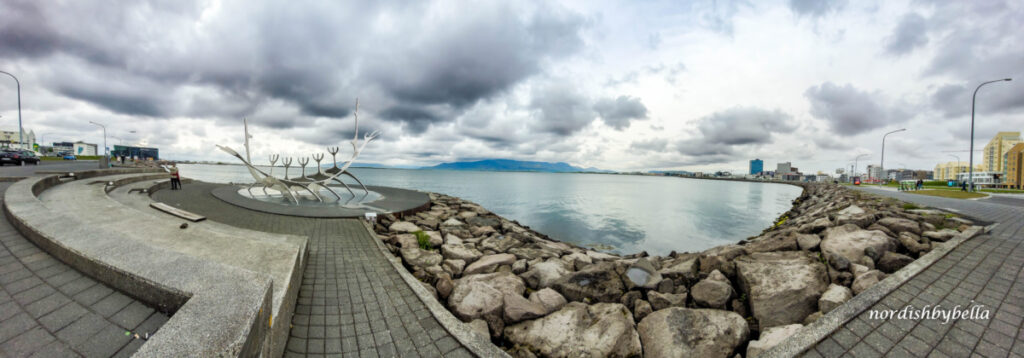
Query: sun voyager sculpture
{"points": [[317, 184]]}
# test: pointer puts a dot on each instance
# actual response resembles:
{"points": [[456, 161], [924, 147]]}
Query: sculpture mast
{"points": [[245, 123]]}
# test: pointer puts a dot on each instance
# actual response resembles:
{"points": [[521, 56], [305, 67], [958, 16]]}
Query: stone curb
{"points": [[810, 335], [480, 346]]}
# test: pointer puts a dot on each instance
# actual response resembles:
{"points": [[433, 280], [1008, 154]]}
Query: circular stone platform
{"points": [[381, 200]]}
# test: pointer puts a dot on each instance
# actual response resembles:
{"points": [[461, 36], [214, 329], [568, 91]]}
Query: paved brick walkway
{"points": [[48, 309], [351, 301], [988, 269]]}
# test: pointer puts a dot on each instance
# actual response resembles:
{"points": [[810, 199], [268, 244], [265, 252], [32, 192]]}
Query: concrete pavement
{"points": [[50, 309], [352, 301]]}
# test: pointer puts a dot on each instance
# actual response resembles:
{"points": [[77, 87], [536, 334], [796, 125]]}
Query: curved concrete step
{"points": [[219, 309]]}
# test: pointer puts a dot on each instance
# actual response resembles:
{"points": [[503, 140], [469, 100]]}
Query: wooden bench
{"points": [[178, 212]]}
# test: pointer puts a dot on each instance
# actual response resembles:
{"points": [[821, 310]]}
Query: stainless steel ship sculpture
{"points": [[315, 184]]}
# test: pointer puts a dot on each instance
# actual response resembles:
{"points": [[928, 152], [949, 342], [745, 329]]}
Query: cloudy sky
{"points": [[698, 85]]}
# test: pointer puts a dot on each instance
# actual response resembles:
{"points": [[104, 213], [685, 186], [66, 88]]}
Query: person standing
{"points": [[175, 177]]}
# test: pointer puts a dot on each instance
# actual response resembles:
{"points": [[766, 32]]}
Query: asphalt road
{"points": [[64, 165]]}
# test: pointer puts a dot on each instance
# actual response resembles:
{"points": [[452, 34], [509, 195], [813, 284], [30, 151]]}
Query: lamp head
{"points": [[1007, 79]]}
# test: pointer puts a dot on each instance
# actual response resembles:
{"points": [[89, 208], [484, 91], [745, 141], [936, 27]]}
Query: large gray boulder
{"points": [[483, 221], [816, 226], [483, 296], [916, 245], [783, 287], [720, 258], [835, 296], [577, 259], [404, 227], [545, 274], [865, 280], [715, 291], [489, 263], [462, 252], [892, 262], [417, 257], [683, 332], [642, 274], [783, 240], [454, 267], [550, 299], [941, 235], [500, 243], [579, 330], [861, 220], [598, 282], [518, 308], [898, 225], [683, 268], [661, 301], [771, 337], [850, 241]]}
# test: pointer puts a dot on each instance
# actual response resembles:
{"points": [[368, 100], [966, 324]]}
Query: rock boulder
{"points": [[771, 337], [550, 299], [489, 263], [833, 297], [898, 225], [579, 330], [783, 287], [545, 274], [661, 301], [598, 282], [892, 262], [850, 241], [683, 332], [404, 227], [713, 292]]}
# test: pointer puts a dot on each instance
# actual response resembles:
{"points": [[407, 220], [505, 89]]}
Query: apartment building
{"points": [[994, 153]]}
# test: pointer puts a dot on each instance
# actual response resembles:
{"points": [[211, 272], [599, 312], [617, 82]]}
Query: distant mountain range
{"points": [[509, 165]]}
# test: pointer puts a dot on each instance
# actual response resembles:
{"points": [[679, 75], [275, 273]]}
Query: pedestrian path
{"points": [[987, 270], [49, 309], [352, 301]]}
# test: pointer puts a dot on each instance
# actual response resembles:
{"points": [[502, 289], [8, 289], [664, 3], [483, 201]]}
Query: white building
{"points": [[80, 148], [982, 178], [9, 138]]}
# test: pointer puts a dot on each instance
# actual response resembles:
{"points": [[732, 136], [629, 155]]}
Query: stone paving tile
{"points": [[987, 270], [351, 299], [48, 309]]}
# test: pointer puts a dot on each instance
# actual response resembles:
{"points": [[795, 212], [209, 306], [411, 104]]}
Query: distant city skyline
{"points": [[626, 86]]}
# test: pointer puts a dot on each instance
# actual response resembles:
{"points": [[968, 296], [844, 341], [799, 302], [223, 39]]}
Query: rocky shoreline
{"points": [[535, 296]]}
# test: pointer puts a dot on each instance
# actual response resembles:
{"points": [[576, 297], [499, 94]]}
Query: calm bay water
{"points": [[629, 213]]}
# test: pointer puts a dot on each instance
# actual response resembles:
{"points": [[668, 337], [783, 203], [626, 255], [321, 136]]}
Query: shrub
{"points": [[909, 206], [423, 239]]}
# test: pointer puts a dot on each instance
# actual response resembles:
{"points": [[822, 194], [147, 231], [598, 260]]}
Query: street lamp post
{"points": [[855, 167], [105, 156], [881, 163], [20, 131], [970, 163]]}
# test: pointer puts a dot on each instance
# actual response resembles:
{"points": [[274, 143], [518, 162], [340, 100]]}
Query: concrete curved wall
{"points": [[218, 310]]}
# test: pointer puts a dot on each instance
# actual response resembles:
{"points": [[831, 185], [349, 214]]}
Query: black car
{"points": [[17, 157], [9, 157], [29, 157]]}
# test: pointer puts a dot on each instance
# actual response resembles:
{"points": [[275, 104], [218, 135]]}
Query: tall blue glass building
{"points": [[756, 166]]}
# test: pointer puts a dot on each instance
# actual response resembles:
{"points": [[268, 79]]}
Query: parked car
{"points": [[9, 157], [18, 157], [29, 157], [69, 156]]}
